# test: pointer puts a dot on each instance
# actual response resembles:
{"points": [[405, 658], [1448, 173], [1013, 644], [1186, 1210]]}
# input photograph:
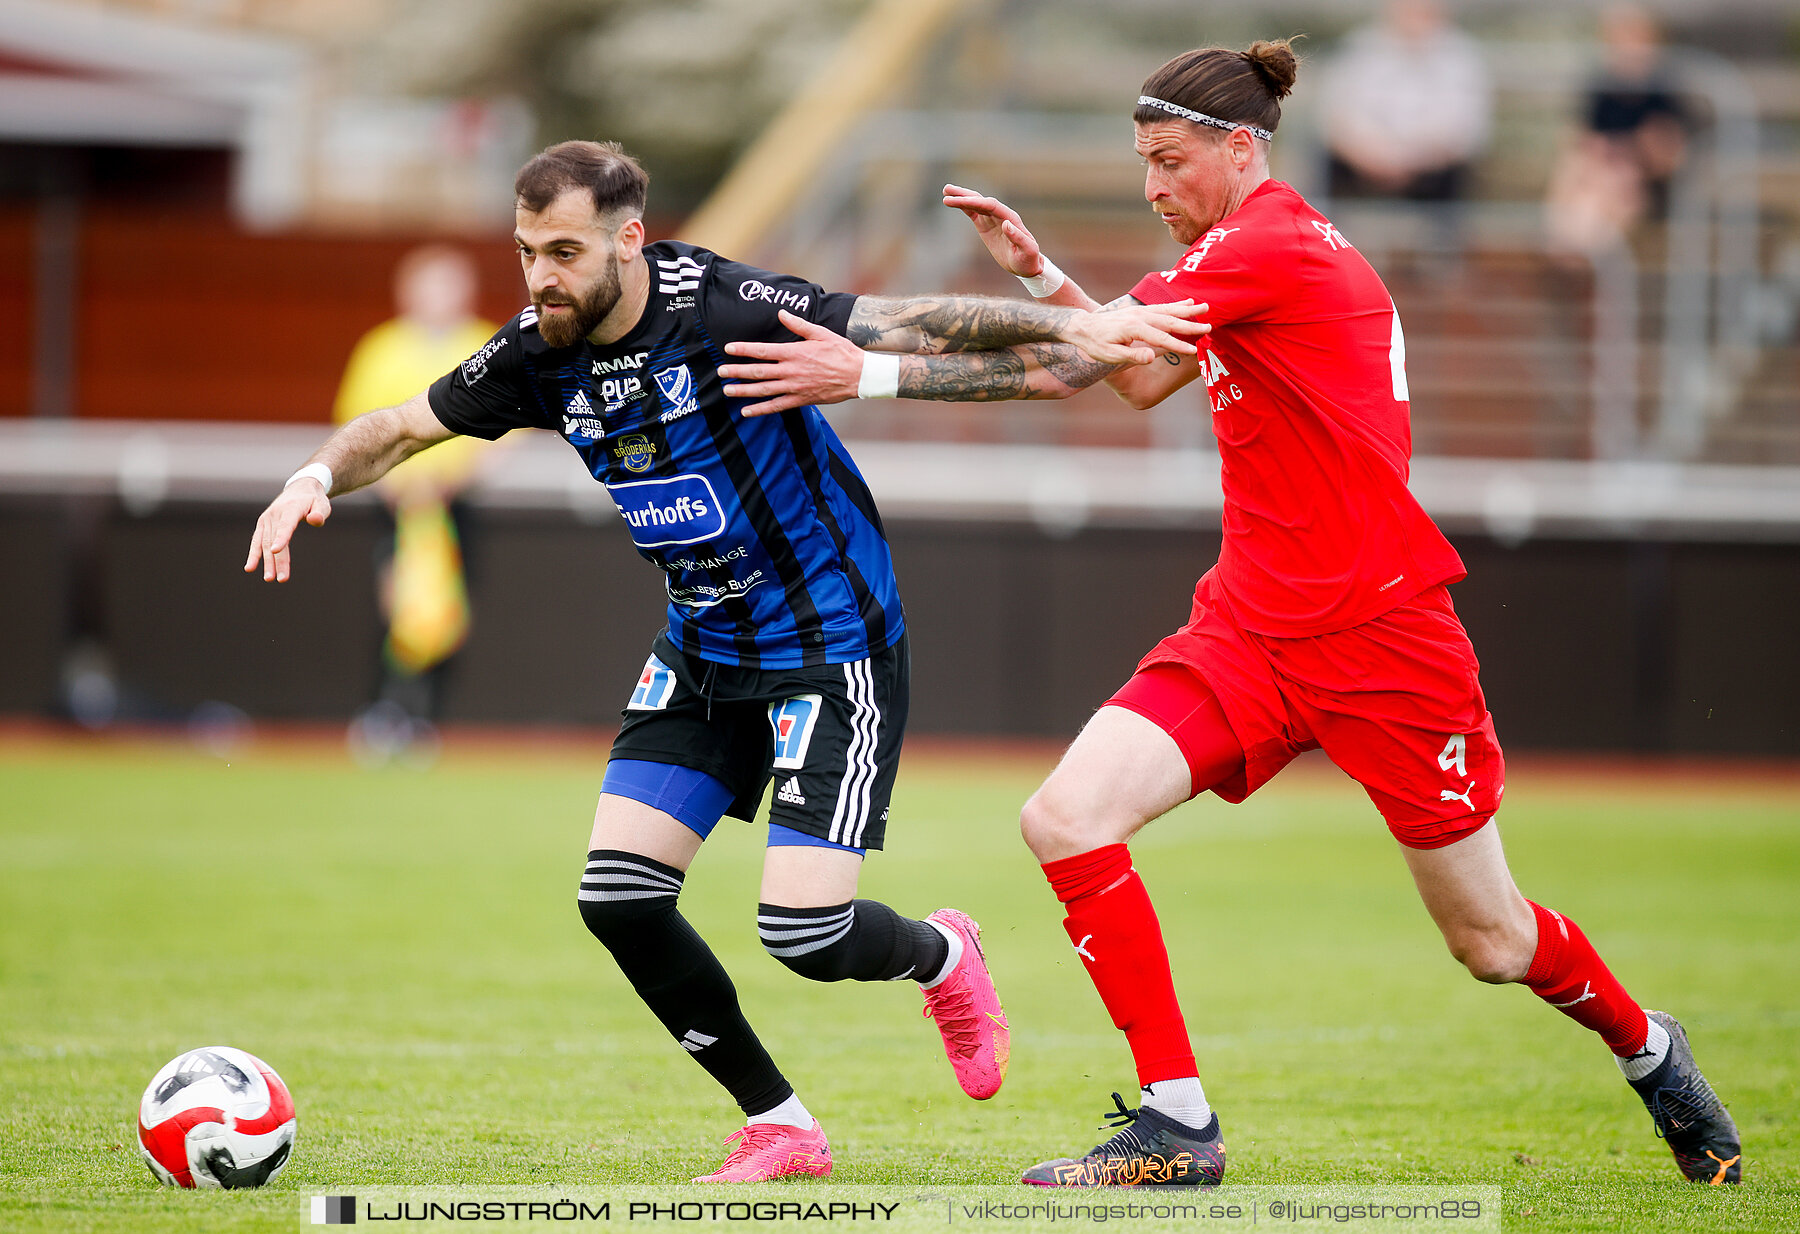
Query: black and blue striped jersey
{"points": [[773, 549]]}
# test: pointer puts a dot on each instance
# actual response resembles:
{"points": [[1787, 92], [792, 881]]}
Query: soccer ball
{"points": [[216, 1117]]}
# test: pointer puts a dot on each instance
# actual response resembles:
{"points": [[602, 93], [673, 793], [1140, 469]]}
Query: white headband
{"points": [[1200, 117]]}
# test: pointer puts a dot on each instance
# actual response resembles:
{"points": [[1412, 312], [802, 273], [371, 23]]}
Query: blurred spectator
{"points": [[1407, 105], [424, 600], [1617, 170]]}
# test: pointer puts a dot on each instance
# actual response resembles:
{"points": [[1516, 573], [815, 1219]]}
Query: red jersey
{"points": [[1305, 369]]}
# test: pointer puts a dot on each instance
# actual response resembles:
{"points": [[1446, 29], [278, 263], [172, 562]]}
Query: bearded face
{"points": [[565, 319]]}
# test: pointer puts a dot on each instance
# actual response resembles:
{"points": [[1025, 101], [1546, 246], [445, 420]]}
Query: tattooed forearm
{"points": [[1069, 365], [970, 377], [1036, 370], [934, 324]]}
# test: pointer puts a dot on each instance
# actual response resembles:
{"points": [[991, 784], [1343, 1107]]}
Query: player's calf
{"points": [[628, 902], [860, 941], [867, 941], [1567, 973]]}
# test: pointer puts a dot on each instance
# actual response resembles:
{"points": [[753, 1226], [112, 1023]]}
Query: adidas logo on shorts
{"points": [[790, 792]]}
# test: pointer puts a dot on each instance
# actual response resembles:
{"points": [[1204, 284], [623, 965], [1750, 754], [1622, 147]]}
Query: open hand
{"points": [[1001, 230], [303, 499], [822, 367], [1135, 334]]}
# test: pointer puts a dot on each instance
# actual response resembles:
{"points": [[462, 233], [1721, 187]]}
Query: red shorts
{"points": [[1396, 702]]}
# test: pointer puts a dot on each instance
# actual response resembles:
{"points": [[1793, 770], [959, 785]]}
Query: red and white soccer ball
{"points": [[216, 1117]]}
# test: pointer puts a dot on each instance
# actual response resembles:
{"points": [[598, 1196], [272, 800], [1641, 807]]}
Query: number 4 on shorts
{"points": [[1455, 754]]}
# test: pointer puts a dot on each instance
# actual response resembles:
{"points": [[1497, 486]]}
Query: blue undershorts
{"points": [[694, 799]]}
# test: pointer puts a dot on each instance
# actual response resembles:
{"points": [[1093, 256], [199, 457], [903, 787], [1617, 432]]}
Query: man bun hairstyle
{"points": [[1242, 87], [612, 177]]}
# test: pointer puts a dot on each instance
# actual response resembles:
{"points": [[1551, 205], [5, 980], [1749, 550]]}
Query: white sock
{"points": [[1182, 1100], [790, 1113], [950, 961], [1648, 1059]]}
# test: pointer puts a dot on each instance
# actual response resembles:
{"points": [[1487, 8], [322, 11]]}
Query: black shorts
{"points": [[829, 736]]}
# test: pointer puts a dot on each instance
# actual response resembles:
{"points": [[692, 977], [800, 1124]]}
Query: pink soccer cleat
{"points": [[967, 1009], [773, 1150]]}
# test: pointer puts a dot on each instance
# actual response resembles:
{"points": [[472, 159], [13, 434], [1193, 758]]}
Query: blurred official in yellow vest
{"points": [[424, 599]]}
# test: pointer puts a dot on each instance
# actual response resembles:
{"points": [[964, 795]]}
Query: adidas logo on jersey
{"points": [[579, 419], [678, 274], [790, 792]]}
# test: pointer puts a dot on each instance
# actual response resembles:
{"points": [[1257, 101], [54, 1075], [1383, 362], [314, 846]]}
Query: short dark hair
{"points": [[1243, 87], [612, 177]]}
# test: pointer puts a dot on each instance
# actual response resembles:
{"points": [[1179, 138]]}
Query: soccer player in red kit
{"points": [[1325, 623]]}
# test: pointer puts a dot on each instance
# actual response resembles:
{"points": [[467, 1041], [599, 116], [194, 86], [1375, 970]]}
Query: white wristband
{"points": [[880, 375], [313, 471], [1045, 282]]}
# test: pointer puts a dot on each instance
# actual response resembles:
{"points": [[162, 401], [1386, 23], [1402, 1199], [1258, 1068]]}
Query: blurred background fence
{"points": [[203, 203]]}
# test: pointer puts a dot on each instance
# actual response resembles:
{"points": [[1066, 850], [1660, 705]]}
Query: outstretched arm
{"points": [[1013, 247], [931, 325], [1038, 371], [824, 367], [1028, 371], [358, 454], [827, 368], [1017, 252]]}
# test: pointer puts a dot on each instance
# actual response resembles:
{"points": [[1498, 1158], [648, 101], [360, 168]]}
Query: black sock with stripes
{"points": [[628, 902], [860, 941]]}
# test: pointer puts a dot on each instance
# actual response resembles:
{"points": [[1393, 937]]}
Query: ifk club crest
{"points": [[677, 386], [636, 451]]}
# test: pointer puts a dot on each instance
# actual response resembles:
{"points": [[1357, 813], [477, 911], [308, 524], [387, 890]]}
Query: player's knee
{"points": [[1040, 823], [611, 921], [619, 889], [1054, 826], [818, 944], [1490, 954]]}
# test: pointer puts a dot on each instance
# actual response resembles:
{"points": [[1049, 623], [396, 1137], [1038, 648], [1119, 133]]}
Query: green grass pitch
{"points": [[404, 948]]}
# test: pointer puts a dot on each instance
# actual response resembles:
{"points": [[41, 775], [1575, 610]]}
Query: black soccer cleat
{"points": [[1150, 1150], [1689, 1116]]}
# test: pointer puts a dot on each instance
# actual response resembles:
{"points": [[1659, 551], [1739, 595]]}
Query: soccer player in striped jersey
{"points": [[1325, 624], [785, 654]]}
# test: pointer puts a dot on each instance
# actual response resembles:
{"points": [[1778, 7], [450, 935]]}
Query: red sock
{"points": [[1115, 931], [1567, 973]]}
